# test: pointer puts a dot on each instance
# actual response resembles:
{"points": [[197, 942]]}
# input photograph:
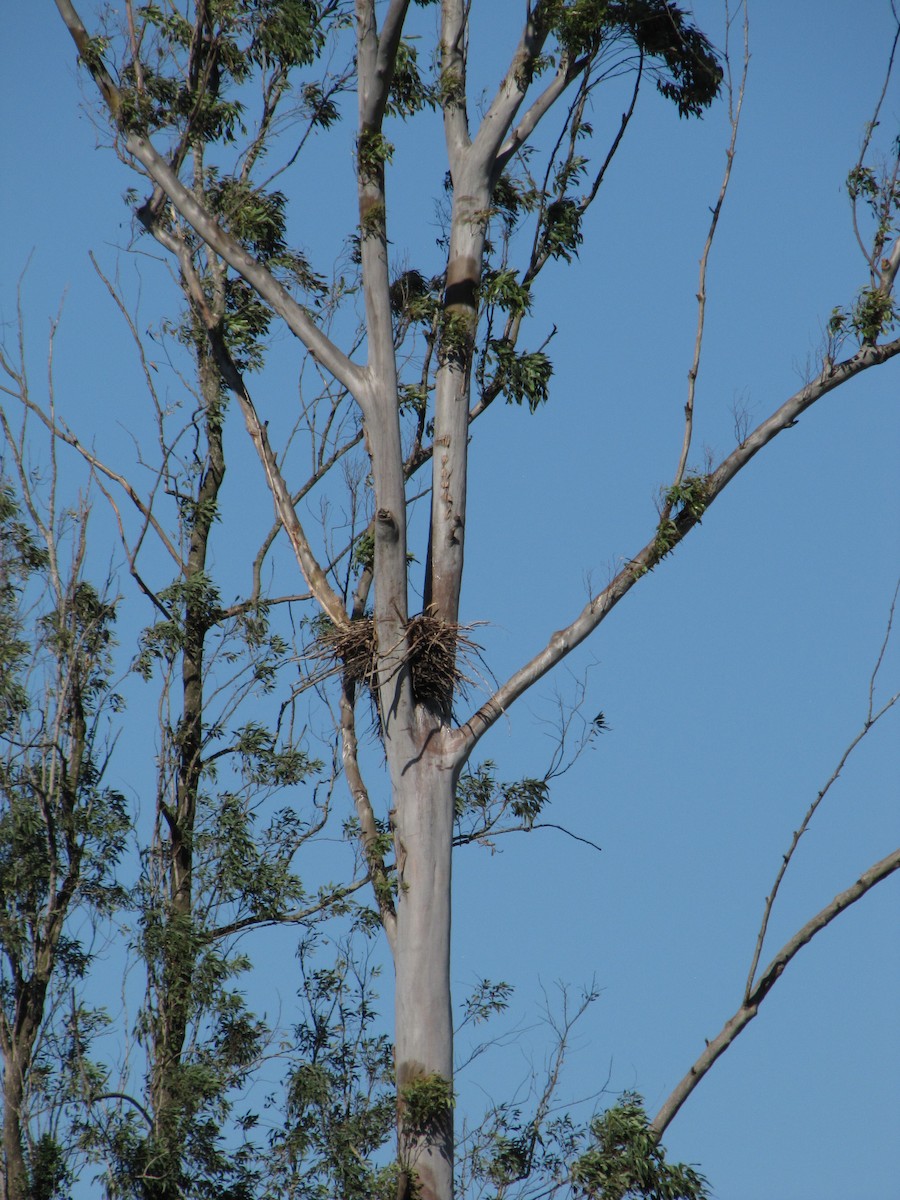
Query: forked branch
{"points": [[872, 718], [750, 1007]]}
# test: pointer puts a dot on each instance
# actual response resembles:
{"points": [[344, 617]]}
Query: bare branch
{"points": [[565, 73], [734, 110], [748, 1010], [495, 123], [453, 77], [368, 827], [298, 917], [564, 640], [388, 41], [872, 718]]}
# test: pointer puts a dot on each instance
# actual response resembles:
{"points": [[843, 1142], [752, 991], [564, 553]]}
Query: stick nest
{"points": [[437, 653]]}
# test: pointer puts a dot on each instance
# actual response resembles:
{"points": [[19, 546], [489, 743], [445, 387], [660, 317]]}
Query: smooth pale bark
{"points": [[422, 785], [423, 828], [451, 411]]}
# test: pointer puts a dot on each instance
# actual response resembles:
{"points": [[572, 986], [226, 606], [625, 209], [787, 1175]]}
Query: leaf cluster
{"points": [[873, 315], [523, 377], [409, 92], [686, 66], [625, 1161], [426, 1102], [484, 803]]}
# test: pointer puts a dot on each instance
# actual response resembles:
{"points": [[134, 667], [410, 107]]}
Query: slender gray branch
{"points": [[748, 1010], [564, 640], [734, 110], [872, 718]]}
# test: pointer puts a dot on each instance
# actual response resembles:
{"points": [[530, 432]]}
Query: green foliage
{"points": [[341, 1098], [513, 198], [691, 75], [502, 288], [50, 1176], [456, 335], [363, 556], [561, 234], [373, 150], [425, 1103], [415, 298], [880, 192], [182, 85], [874, 314], [93, 51], [285, 33], [687, 499], [62, 831], [484, 804], [194, 607], [682, 58], [486, 1001], [625, 1162], [413, 398], [451, 89], [862, 181], [523, 377], [20, 557], [409, 93], [513, 1147], [222, 815], [251, 869]]}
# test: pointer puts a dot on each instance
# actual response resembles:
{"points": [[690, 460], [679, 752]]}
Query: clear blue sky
{"points": [[732, 678]]}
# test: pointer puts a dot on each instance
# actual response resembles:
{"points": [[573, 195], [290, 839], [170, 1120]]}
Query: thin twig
{"points": [[750, 1007], [872, 718], [734, 116]]}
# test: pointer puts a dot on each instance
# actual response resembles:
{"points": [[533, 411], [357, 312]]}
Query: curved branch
{"points": [[748, 1010], [563, 641], [294, 918], [799, 832], [124, 1096]]}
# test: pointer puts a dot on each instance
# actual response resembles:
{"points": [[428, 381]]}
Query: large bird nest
{"points": [[438, 654]]}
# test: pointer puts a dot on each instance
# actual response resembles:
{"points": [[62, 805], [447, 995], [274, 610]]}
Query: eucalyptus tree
{"points": [[202, 100]]}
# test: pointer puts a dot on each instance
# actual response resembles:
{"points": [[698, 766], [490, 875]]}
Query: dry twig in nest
{"points": [[436, 652]]}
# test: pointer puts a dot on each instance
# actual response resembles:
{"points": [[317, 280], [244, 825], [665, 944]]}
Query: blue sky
{"points": [[732, 678]]}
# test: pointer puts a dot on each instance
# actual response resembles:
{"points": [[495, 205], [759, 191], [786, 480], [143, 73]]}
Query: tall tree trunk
{"points": [[424, 798], [18, 1051], [179, 951], [15, 1172]]}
